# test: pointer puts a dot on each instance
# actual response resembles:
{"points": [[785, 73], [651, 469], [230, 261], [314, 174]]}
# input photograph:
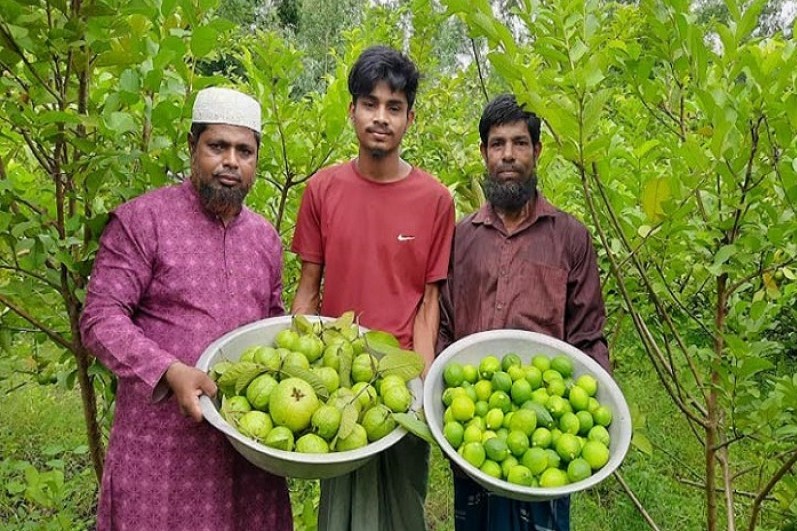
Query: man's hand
{"points": [[187, 383]]}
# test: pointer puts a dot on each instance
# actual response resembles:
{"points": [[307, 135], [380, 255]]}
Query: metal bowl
{"points": [[279, 462], [472, 349]]}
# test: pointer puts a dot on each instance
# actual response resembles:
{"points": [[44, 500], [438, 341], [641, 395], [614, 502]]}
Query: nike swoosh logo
{"points": [[403, 238]]}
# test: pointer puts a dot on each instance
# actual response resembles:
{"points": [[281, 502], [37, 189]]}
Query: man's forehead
{"points": [[229, 133], [510, 130], [383, 91]]}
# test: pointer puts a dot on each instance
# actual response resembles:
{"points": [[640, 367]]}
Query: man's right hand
{"points": [[188, 383]]}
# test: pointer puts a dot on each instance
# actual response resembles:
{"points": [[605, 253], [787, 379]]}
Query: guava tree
{"points": [[681, 135], [92, 114]]}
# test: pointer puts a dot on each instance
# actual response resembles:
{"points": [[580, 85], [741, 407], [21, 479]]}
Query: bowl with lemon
{"points": [[525, 415]]}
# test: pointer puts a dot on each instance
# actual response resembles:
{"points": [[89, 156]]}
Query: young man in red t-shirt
{"points": [[378, 231]]}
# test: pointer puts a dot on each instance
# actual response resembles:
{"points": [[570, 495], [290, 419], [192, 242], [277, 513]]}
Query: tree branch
{"points": [[479, 69], [52, 334]]}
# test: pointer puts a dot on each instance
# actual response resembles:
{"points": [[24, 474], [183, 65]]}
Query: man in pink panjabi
{"points": [[177, 268]]}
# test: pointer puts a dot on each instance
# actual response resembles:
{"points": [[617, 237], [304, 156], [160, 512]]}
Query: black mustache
{"points": [[380, 131], [228, 175]]}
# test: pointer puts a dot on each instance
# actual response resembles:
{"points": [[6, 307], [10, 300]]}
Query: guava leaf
{"points": [[218, 369], [237, 376], [343, 322], [348, 419], [344, 370], [415, 426], [404, 363], [302, 324], [308, 376], [376, 339], [330, 336], [641, 443]]}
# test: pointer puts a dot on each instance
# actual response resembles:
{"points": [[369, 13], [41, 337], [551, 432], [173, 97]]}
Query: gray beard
{"points": [[509, 196], [222, 202]]}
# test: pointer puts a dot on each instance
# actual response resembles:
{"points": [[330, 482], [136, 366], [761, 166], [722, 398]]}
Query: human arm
{"points": [[308, 293], [585, 314], [123, 270], [426, 324]]}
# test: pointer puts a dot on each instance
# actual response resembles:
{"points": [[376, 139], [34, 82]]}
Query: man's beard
{"points": [[509, 196], [378, 153], [222, 201]]}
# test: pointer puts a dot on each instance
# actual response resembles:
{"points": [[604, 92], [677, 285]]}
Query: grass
{"points": [[41, 429]]}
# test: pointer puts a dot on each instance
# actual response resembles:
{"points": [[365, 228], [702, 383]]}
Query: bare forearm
{"points": [[308, 292], [427, 325]]}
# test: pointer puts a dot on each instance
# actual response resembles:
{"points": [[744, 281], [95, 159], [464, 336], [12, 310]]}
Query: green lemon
{"points": [[585, 421], [494, 418], [543, 363], [534, 376], [520, 475], [472, 434], [501, 381], [578, 469], [596, 454], [602, 416], [535, 459], [483, 389], [500, 400], [541, 438], [578, 398], [599, 433], [569, 423], [454, 433], [470, 372], [553, 477], [482, 408], [588, 383], [473, 453], [491, 468], [507, 464], [563, 365], [568, 446], [488, 366], [510, 360], [463, 408], [521, 391], [518, 443], [524, 420], [496, 449], [453, 374]]}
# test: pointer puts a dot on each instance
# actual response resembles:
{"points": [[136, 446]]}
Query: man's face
{"points": [[380, 120], [223, 162], [511, 161]]}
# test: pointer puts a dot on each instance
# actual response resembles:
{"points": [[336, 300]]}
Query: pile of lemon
{"points": [[533, 425]]}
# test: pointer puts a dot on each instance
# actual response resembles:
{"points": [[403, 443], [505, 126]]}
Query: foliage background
{"points": [[669, 132]]}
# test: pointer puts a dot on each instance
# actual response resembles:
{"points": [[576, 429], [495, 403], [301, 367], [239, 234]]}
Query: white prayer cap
{"points": [[216, 105]]}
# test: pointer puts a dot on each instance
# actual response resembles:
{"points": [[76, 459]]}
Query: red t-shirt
{"points": [[379, 243]]}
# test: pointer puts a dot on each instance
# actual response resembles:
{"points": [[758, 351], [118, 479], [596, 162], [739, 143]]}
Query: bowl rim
{"points": [[621, 413], [212, 415]]}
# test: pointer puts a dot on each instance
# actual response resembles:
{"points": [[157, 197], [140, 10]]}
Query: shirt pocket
{"points": [[541, 292]]}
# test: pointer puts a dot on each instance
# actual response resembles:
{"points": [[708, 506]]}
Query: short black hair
{"points": [[198, 128], [504, 109], [382, 63]]}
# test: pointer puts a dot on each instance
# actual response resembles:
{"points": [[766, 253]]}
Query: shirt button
{"points": [[499, 307]]}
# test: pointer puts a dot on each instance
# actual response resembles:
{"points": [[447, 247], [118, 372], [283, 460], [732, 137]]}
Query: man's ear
{"points": [[483, 149], [351, 111], [537, 150], [410, 117], [191, 143]]}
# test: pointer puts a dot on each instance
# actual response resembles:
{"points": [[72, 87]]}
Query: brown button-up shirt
{"points": [[542, 277]]}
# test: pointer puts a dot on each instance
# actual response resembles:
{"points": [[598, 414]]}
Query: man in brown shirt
{"points": [[519, 263]]}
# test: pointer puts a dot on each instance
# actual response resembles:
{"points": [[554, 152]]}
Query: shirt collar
{"points": [[542, 208]]}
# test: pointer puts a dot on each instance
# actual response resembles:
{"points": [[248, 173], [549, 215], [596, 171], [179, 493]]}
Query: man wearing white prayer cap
{"points": [[176, 269]]}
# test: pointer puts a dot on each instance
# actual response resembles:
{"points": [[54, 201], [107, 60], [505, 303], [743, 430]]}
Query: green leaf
{"points": [[237, 376], [203, 40], [294, 371], [348, 419], [415, 426], [121, 122], [346, 359], [656, 192], [380, 339], [751, 366], [642, 443], [749, 19], [302, 324], [342, 323], [405, 363]]}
